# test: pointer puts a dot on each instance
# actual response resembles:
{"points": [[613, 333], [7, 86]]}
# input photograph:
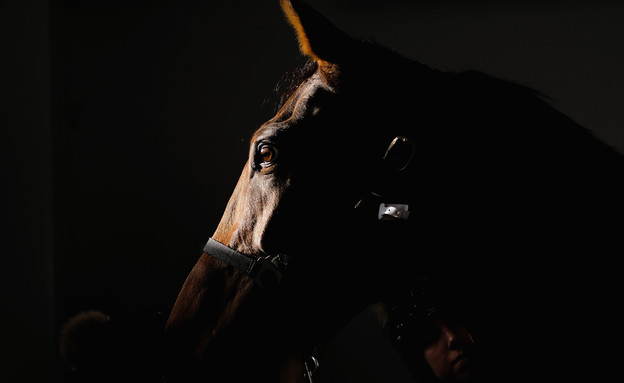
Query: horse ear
{"points": [[318, 37]]}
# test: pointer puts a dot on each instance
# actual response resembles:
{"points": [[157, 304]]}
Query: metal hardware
{"points": [[393, 211], [266, 274], [399, 153], [311, 365]]}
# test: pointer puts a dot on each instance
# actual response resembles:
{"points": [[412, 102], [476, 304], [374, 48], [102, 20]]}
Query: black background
{"points": [[125, 124]]}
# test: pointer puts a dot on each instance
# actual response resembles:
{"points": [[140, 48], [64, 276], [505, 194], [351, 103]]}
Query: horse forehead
{"points": [[296, 107]]}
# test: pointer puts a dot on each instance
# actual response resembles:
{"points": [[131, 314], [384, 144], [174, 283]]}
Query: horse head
{"points": [[486, 170], [294, 203]]}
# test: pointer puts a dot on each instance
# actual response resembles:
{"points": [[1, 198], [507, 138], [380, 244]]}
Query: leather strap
{"points": [[266, 272], [230, 256]]}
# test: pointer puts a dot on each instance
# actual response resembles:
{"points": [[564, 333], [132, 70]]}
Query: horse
{"points": [[377, 169]]}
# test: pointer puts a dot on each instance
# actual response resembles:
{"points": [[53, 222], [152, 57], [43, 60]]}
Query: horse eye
{"points": [[268, 153]]}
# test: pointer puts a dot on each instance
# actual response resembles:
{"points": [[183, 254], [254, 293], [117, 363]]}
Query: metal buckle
{"points": [[393, 211], [267, 274]]}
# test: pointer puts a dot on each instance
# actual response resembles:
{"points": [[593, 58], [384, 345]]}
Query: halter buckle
{"points": [[393, 211], [267, 273]]}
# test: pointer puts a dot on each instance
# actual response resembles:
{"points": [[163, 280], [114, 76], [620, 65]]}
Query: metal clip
{"points": [[393, 211], [311, 365]]}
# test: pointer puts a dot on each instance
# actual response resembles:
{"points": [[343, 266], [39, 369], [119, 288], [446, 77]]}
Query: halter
{"points": [[267, 271]]}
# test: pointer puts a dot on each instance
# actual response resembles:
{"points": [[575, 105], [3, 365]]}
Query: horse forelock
{"points": [[291, 80]]}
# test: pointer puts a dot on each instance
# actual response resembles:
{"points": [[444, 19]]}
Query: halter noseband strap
{"points": [[266, 272]]}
